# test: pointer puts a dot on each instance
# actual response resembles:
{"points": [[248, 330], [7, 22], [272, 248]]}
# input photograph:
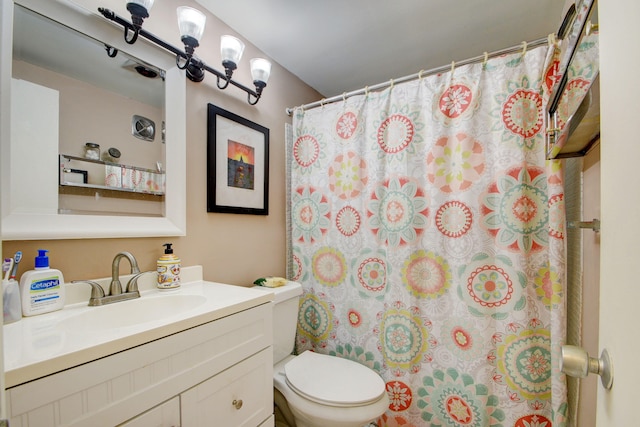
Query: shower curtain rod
{"points": [[521, 47]]}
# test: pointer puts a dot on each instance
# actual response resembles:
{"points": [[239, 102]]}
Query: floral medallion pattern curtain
{"points": [[427, 231]]}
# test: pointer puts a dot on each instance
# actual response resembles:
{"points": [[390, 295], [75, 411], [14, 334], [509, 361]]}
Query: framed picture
{"points": [[237, 164], [76, 176]]}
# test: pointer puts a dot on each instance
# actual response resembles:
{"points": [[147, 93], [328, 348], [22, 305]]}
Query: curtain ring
{"points": [[344, 96], [391, 83], [486, 58], [420, 74], [366, 90], [322, 102], [524, 47], [453, 67]]}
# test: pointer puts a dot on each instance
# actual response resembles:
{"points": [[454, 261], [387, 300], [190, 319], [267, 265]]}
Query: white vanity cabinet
{"points": [[215, 374]]}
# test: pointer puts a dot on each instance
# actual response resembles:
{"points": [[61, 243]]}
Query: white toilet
{"points": [[317, 390]]}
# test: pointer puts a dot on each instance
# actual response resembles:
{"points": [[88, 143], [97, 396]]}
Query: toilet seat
{"points": [[333, 381]]}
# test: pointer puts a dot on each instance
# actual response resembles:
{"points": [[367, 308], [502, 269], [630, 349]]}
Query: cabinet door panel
{"points": [[164, 415], [241, 396], [270, 422]]}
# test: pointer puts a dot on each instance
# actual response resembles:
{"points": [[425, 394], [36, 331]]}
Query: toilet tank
{"points": [[285, 318]]}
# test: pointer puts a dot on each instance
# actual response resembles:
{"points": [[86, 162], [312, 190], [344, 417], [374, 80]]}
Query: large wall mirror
{"points": [[73, 83]]}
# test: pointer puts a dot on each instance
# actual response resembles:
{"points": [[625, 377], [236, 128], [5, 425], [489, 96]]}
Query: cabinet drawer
{"points": [[241, 396]]}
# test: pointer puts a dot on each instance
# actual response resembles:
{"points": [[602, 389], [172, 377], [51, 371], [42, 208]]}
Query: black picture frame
{"points": [[237, 164], [78, 176]]}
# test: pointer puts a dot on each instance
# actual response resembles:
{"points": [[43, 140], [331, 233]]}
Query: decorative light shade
{"points": [[147, 4], [139, 10], [260, 70], [231, 50], [191, 23]]}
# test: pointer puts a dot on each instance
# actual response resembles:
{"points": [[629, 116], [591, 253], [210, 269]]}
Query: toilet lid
{"points": [[333, 380]]}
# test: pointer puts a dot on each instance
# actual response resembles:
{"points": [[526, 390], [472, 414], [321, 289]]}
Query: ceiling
{"points": [[338, 46]]}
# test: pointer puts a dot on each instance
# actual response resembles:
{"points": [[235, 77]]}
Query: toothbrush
{"points": [[16, 261], [7, 265]]}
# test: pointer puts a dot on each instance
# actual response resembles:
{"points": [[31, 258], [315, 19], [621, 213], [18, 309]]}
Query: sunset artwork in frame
{"points": [[237, 164]]}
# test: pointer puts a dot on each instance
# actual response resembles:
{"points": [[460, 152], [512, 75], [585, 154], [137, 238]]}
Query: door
{"points": [[620, 197], [6, 27]]}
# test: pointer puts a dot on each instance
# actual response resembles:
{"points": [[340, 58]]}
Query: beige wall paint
{"points": [[232, 248]]}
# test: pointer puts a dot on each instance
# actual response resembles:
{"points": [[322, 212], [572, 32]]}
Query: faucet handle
{"points": [[132, 284], [97, 291]]}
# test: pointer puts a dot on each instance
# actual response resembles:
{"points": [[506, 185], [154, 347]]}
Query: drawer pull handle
{"points": [[237, 403]]}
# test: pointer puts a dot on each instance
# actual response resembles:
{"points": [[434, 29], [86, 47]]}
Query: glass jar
{"points": [[112, 155], [92, 151]]}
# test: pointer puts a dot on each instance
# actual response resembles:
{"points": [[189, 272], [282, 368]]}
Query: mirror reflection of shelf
{"points": [[96, 174]]}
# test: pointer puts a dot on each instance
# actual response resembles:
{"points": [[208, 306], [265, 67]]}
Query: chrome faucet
{"points": [[98, 296]]}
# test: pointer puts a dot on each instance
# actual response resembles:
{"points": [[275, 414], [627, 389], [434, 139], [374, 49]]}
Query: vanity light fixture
{"points": [[231, 49], [191, 23], [139, 10], [260, 72]]}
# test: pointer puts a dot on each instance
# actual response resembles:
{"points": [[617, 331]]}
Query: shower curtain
{"points": [[427, 230]]}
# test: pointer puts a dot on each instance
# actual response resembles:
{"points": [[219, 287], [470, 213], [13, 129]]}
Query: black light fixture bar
{"points": [[197, 62]]}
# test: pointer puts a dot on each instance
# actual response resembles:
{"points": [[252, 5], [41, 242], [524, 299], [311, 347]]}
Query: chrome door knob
{"points": [[576, 362]]}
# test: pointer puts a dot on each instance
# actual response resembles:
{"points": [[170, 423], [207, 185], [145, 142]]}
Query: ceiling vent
{"points": [[143, 69]]}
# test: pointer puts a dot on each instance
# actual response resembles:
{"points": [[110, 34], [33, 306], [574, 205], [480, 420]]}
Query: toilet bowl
{"points": [[319, 390], [328, 391]]}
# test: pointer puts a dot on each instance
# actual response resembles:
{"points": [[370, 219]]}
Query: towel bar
{"points": [[594, 225]]}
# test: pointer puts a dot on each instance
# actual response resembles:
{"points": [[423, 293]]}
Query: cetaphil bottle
{"points": [[42, 289]]}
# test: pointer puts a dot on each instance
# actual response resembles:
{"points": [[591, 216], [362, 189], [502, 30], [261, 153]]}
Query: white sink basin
{"points": [[132, 312]]}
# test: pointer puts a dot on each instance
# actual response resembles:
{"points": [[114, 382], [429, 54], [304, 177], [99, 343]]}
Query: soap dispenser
{"points": [[168, 269]]}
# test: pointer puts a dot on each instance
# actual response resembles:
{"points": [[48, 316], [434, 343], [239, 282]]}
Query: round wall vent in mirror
{"points": [[143, 128]]}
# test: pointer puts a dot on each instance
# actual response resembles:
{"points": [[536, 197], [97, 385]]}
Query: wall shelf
{"points": [[80, 172]]}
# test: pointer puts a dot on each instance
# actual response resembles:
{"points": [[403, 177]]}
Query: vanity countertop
{"points": [[41, 345]]}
